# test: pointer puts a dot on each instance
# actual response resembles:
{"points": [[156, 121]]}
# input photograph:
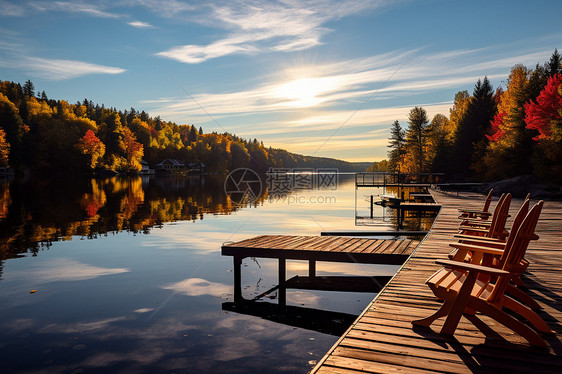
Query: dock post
{"points": [[311, 268], [372, 206], [282, 287], [237, 278]]}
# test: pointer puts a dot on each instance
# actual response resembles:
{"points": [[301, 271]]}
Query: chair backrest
{"points": [[521, 214], [488, 200], [516, 250], [497, 226]]}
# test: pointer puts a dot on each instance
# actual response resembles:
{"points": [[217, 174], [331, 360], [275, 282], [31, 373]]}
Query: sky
{"points": [[321, 78]]}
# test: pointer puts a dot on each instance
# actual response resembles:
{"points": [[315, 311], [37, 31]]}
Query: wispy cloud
{"points": [[140, 24], [8, 9], [63, 269], [268, 26], [90, 9], [97, 9], [349, 82], [198, 287], [63, 69]]}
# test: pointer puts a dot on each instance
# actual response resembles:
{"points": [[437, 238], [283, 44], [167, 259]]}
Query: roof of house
{"points": [[170, 161]]}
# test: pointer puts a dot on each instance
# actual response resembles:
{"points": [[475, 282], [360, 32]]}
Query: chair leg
{"points": [[441, 312], [527, 313], [523, 296], [460, 304], [511, 323]]}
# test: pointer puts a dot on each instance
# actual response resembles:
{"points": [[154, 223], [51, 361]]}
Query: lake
{"points": [[125, 274]]}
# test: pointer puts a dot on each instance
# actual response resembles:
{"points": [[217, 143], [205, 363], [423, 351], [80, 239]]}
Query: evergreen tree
{"points": [[416, 136], [554, 65], [192, 135], [472, 127], [397, 141], [28, 89]]}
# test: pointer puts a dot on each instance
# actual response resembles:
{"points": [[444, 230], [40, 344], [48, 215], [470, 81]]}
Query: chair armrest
{"points": [[477, 248], [473, 229], [476, 222], [480, 238], [475, 211], [473, 240], [472, 267]]}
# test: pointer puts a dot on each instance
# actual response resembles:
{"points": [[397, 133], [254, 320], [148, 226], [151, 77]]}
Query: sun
{"points": [[304, 92]]}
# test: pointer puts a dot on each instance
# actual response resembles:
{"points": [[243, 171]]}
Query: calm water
{"points": [[125, 275]]}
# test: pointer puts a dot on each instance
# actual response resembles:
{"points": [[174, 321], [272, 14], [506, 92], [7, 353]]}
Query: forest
{"points": [[489, 134], [43, 135]]}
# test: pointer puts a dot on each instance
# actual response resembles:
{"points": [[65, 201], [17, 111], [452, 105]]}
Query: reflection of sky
{"points": [[153, 302], [199, 287], [61, 269]]}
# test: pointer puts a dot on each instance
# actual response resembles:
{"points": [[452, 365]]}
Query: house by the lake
{"points": [[170, 165], [145, 170]]}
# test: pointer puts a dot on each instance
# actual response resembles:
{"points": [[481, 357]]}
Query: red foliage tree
{"points": [[547, 110], [91, 146], [496, 123]]}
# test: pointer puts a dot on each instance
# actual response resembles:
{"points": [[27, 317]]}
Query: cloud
{"points": [[267, 26], [63, 69], [74, 7], [11, 10], [198, 287], [63, 269], [140, 25]]}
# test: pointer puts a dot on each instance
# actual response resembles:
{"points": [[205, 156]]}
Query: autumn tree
{"points": [[11, 123], [545, 116], [90, 146], [4, 149], [510, 150], [438, 146], [133, 150], [457, 114]]}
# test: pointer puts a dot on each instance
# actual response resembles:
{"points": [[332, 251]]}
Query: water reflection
{"points": [[153, 303], [35, 213]]}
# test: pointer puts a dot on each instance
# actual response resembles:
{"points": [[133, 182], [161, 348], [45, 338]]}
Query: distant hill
{"points": [[53, 136]]}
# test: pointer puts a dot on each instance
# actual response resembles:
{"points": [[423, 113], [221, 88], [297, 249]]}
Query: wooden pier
{"points": [[313, 249], [382, 339]]}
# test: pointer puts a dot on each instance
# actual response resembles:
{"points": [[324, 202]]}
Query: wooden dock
{"points": [[313, 249], [382, 339], [323, 248]]}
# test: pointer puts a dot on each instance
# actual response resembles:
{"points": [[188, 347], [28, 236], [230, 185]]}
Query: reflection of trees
{"points": [[33, 214], [5, 200]]}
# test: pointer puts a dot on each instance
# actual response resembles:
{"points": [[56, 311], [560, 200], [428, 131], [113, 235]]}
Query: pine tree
{"points": [[554, 65], [397, 141], [416, 136], [472, 128], [28, 89]]}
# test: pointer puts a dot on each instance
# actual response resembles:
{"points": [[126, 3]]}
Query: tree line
{"points": [[46, 135], [491, 134]]}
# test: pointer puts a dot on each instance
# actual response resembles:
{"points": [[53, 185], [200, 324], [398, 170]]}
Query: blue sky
{"points": [[323, 78]]}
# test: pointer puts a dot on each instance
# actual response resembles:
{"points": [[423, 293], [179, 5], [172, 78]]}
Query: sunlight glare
{"points": [[304, 92]]}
